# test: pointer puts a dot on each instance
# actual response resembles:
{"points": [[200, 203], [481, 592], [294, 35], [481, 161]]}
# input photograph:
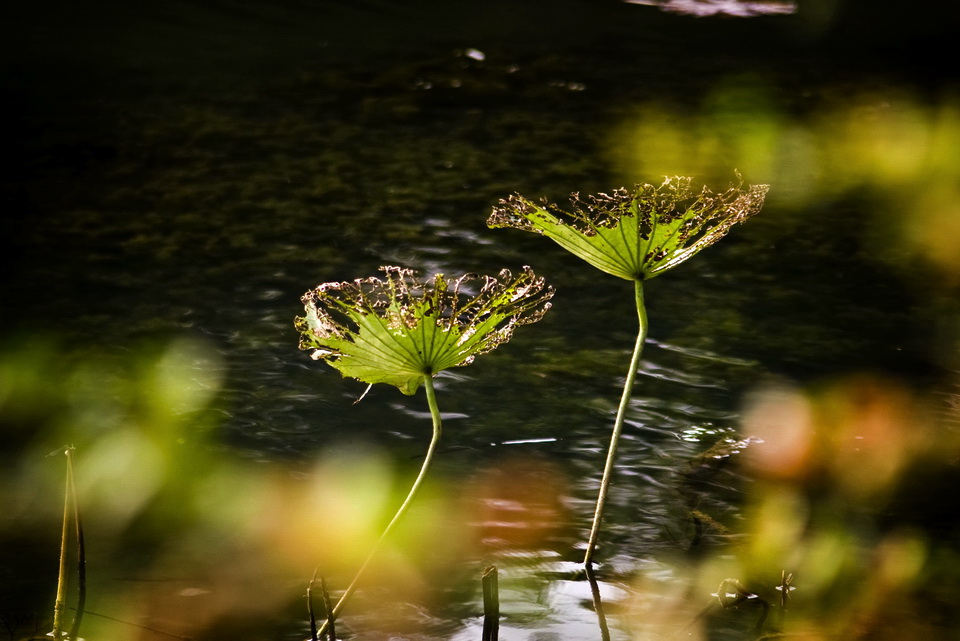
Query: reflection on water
{"points": [[793, 411], [734, 8]]}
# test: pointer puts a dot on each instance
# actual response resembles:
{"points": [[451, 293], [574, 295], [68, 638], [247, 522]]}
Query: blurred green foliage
{"points": [[893, 150]]}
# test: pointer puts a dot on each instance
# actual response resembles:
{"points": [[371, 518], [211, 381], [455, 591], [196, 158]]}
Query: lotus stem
{"points": [[437, 430], [618, 423]]}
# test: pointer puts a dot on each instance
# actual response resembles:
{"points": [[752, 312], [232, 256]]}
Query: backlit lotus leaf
{"points": [[640, 233], [398, 330]]}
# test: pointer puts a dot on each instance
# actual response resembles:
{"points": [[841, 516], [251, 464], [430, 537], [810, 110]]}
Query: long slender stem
{"points": [[618, 423], [60, 603], [437, 430], [81, 552]]}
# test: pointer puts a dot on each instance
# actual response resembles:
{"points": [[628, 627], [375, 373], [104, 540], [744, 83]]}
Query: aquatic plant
{"points": [[635, 235], [404, 332]]}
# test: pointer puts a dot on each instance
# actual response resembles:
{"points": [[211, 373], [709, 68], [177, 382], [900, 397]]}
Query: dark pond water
{"points": [[186, 171]]}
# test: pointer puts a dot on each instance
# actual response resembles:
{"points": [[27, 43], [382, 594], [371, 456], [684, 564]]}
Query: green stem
{"points": [[437, 429], [618, 423]]}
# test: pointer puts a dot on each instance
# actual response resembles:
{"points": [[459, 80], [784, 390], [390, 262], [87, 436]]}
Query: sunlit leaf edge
{"points": [[640, 233], [399, 330]]}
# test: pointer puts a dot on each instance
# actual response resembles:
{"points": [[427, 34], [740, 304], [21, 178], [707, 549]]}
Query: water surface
{"points": [[187, 171]]}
